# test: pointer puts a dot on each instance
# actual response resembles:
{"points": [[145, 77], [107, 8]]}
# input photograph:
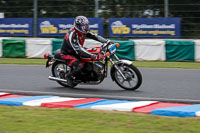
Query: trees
{"points": [[16, 8]]}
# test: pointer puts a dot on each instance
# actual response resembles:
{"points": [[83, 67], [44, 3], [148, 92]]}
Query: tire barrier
{"points": [[149, 107], [132, 49], [13, 48], [179, 50], [150, 49]]}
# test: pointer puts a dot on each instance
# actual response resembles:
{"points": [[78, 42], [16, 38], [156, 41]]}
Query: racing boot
{"points": [[70, 82], [70, 77]]}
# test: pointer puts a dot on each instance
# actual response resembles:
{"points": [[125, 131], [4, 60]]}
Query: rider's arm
{"points": [[96, 37], [83, 53]]}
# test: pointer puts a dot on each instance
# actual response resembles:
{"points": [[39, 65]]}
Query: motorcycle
{"points": [[123, 72]]}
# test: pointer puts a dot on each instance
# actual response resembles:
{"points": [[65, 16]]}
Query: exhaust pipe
{"points": [[57, 79]]}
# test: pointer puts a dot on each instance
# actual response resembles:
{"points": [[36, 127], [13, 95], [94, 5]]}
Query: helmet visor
{"points": [[85, 28]]}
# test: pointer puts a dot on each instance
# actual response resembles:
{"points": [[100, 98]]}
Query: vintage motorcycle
{"points": [[123, 72]]}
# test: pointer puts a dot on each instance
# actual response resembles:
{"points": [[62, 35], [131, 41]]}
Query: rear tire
{"points": [[133, 75], [59, 70]]}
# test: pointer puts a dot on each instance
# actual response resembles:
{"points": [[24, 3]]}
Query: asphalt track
{"points": [[172, 85]]}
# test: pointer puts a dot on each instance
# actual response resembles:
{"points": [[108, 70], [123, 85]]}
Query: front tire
{"points": [[132, 74]]}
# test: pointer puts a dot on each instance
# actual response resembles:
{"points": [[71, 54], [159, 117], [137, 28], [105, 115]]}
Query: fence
{"points": [[187, 10]]}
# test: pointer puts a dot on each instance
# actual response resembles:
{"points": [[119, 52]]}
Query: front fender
{"points": [[118, 63], [128, 62]]}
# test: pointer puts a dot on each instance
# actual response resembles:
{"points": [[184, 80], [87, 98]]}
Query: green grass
{"points": [[158, 64], [43, 120], [22, 61], [147, 64]]}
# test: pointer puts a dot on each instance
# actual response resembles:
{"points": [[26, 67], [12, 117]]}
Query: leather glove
{"points": [[109, 41]]}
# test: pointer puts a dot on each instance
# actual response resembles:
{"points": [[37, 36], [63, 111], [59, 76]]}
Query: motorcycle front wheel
{"points": [[60, 70], [133, 77]]}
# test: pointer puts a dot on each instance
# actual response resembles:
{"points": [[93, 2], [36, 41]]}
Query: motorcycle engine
{"points": [[98, 68], [93, 71]]}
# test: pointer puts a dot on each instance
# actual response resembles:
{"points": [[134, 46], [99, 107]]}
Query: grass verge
{"points": [[147, 64], [22, 61], [43, 120]]}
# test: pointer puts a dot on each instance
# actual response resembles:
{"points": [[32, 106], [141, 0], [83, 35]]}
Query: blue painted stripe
{"points": [[180, 111], [102, 102], [90, 103], [18, 101]]}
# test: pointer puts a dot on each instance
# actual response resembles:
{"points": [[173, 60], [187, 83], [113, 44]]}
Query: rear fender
{"points": [[48, 63], [51, 60]]}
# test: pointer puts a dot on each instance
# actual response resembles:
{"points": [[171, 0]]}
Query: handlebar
{"points": [[105, 45]]}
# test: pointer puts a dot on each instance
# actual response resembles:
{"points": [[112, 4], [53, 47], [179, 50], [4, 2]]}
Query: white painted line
{"points": [[197, 113], [3, 93], [48, 100], [123, 106], [101, 96]]}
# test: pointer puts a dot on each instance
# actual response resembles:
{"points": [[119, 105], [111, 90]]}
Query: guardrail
{"points": [[132, 49]]}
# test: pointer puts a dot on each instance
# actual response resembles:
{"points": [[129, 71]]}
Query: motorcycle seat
{"points": [[57, 54]]}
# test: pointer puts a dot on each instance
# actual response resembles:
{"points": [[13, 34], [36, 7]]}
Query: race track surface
{"points": [[158, 84]]}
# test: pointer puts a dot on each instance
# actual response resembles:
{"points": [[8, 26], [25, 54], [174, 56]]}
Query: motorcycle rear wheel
{"points": [[132, 74], [59, 70]]}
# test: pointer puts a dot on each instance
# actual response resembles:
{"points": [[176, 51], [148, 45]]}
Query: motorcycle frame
{"points": [[105, 63]]}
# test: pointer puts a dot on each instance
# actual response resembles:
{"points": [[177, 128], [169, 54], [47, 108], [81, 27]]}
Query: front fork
{"points": [[116, 67]]}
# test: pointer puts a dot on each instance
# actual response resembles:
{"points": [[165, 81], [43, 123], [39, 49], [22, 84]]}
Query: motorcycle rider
{"points": [[72, 49]]}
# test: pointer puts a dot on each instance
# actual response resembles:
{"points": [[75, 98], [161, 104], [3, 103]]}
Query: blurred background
{"points": [[187, 10]]}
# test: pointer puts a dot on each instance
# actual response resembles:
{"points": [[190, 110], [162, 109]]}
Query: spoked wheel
{"points": [[60, 70], [133, 77]]}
